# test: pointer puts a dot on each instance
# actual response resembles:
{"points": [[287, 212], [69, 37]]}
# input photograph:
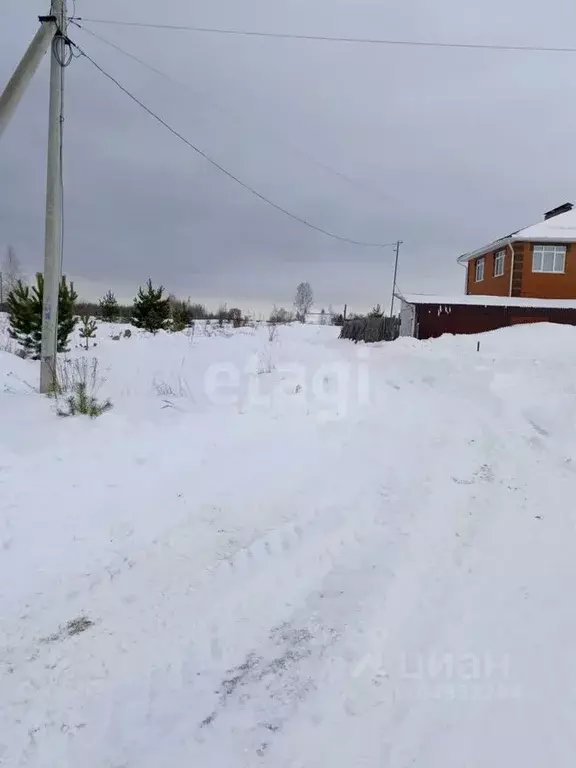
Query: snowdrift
{"points": [[291, 552]]}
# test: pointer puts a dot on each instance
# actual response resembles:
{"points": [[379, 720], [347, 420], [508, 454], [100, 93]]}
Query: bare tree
{"points": [[11, 271], [303, 301]]}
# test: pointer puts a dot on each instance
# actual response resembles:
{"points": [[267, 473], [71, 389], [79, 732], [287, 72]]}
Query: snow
{"points": [[496, 245], [294, 552], [555, 229], [489, 301]]}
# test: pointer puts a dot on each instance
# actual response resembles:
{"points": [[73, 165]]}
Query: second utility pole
{"points": [[398, 244], [53, 234], [18, 83]]}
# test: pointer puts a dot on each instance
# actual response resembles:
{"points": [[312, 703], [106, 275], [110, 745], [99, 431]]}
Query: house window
{"points": [[479, 270], [499, 261], [549, 258]]}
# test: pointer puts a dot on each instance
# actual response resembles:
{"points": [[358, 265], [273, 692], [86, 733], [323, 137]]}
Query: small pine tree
{"points": [[25, 310], [67, 298], [88, 330], [109, 308], [23, 322], [151, 311], [376, 311], [82, 403]]}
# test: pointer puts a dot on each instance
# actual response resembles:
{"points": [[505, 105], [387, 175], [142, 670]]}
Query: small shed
{"points": [[426, 317]]}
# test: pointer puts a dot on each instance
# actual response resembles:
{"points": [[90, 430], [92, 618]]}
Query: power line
{"points": [[334, 39], [221, 168], [328, 168], [123, 51]]}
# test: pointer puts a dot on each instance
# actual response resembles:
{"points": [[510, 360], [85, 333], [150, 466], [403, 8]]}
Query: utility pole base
{"points": [[48, 376]]}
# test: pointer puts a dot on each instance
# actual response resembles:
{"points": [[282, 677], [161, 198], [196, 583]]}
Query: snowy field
{"points": [[293, 553]]}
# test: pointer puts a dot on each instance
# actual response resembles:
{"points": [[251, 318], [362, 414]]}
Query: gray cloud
{"points": [[449, 148]]}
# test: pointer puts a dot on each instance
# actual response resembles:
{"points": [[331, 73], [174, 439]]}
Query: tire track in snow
{"points": [[164, 657], [329, 615], [180, 610], [373, 705]]}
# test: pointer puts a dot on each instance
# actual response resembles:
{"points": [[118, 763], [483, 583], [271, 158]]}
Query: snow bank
{"points": [[292, 551]]}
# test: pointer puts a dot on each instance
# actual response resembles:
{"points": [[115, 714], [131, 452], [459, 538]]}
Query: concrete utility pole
{"points": [[53, 234], [398, 244], [53, 30], [16, 87]]}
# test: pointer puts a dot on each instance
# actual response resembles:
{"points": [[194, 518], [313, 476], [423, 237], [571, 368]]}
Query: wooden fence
{"points": [[371, 329]]}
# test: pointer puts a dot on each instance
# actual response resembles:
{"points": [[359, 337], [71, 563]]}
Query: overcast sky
{"points": [[447, 148]]}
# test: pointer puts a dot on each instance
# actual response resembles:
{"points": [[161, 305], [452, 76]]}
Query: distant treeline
{"points": [[124, 312]]}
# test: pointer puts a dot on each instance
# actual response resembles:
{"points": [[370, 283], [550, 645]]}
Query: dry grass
{"points": [[178, 388], [272, 332], [174, 386]]}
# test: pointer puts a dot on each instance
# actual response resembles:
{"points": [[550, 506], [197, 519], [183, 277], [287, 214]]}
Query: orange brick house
{"points": [[535, 262], [526, 277]]}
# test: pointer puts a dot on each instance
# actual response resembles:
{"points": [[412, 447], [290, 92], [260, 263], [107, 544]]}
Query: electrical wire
{"points": [[132, 56], [334, 39], [348, 179], [63, 60], [222, 169]]}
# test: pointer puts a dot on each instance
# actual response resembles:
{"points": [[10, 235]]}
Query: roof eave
{"points": [[502, 243]]}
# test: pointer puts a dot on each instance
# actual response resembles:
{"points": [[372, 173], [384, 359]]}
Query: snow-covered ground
{"points": [[293, 552]]}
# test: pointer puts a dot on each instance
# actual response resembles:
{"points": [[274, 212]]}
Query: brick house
{"points": [[535, 262], [526, 277]]}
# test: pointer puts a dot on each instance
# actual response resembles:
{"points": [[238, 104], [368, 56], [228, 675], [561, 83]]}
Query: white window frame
{"points": [[499, 263], [479, 269], [557, 254]]}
